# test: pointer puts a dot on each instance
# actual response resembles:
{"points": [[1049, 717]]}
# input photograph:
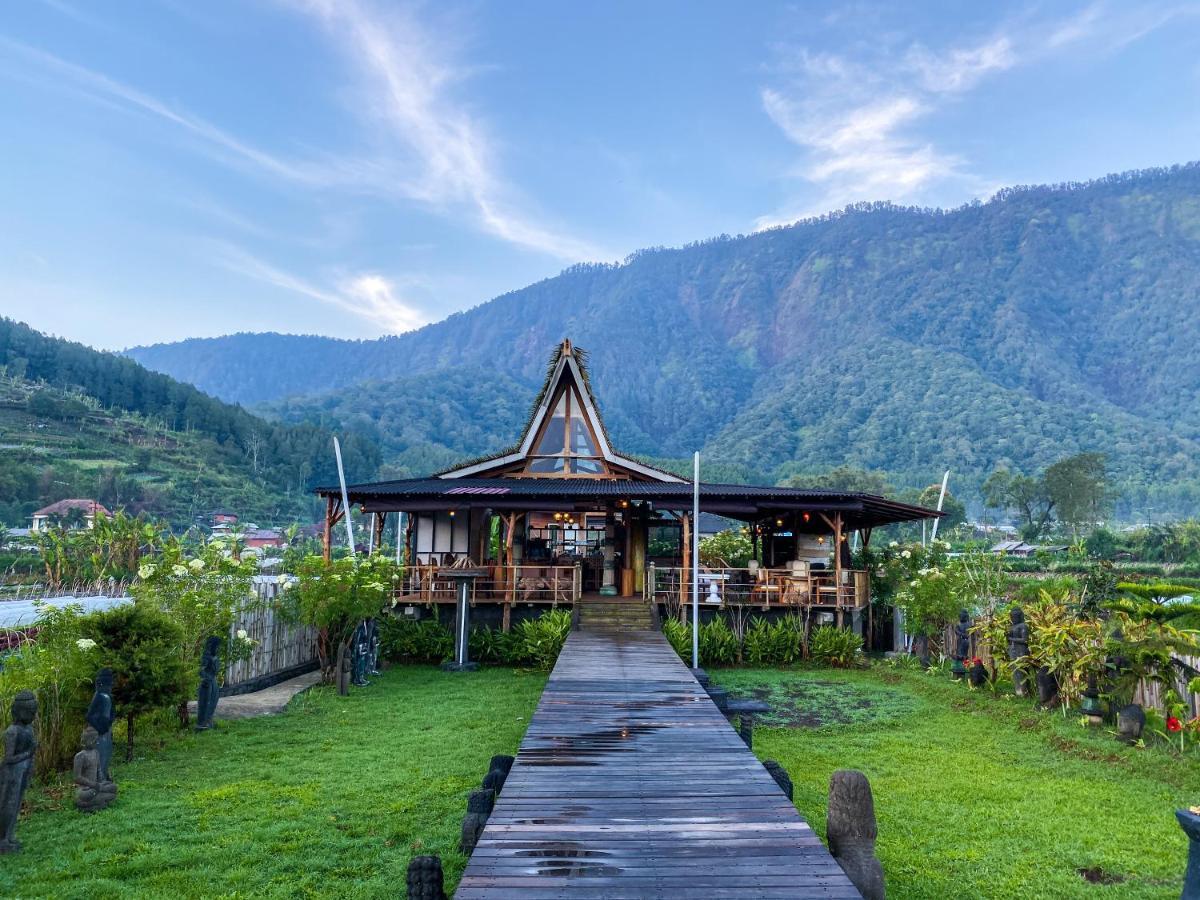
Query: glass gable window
{"points": [[566, 445]]}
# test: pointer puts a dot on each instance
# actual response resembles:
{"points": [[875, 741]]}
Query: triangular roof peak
{"points": [[565, 436]]}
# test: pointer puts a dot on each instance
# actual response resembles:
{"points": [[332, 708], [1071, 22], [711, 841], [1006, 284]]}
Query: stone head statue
{"points": [[24, 707], [1016, 615], [963, 616], [104, 680], [88, 739], [212, 646]]}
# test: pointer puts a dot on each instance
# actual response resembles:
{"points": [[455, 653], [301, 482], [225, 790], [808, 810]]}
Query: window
{"points": [[566, 445]]}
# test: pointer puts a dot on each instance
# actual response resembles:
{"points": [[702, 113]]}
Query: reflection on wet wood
{"points": [[630, 783]]}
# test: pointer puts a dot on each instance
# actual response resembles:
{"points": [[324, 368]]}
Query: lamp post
{"points": [[463, 579]]}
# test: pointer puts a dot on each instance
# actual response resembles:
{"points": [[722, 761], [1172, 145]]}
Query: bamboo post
{"points": [[327, 534], [687, 565]]}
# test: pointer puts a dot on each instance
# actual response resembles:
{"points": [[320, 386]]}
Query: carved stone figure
{"points": [[851, 830], [100, 715], [1189, 821], [779, 773], [962, 643], [1130, 722], [1018, 647], [91, 792], [343, 670], [920, 647], [359, 644], [208, 692], [1047, 687], [503, 762], [17, 768], [479, 806], [373, 647], [425, 880]]}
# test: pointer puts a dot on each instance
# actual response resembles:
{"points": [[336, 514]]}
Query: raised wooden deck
{"points": [[630, 783]]}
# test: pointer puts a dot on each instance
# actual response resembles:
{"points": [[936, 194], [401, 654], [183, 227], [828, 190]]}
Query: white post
{"points": [[941, 500], [399, 538], [696, 561], [337, 451]]}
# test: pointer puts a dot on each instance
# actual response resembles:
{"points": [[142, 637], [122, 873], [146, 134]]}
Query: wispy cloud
{"points": [[447, 158], [858, 119], [369, 296]]}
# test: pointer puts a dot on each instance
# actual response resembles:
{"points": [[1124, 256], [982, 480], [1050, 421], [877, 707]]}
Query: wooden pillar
{"points": [[685, 573], [377, 525], [327, 534], [637, 549], [837, 561]]}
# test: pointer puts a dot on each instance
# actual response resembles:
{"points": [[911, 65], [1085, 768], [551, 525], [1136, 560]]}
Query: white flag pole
{"points": [[941, 500], [696, 561], [337, 451]]}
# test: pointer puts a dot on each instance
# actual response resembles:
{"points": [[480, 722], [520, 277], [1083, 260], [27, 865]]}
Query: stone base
{"points": [[460, 667]]}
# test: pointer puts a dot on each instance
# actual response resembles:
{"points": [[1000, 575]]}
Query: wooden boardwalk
{"points": [[630, 783]]}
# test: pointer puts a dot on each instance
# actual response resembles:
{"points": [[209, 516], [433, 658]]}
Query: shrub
{"points": [[537, 642], [718, 643], [59, 669], [837, 647], [490, 645], [774, 643], [141, 645], [424, 641]]}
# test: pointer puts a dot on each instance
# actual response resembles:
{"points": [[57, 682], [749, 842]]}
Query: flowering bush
{"points": [[923, 590], [333, 597]]}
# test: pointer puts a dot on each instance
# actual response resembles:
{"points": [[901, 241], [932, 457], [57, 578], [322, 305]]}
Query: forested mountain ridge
{"points": [[1048, 320], [79, 422]]}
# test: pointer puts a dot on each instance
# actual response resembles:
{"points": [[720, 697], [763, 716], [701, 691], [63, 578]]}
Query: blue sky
{"points": [[355, 167]]}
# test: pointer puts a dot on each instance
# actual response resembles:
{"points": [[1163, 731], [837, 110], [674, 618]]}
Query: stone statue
{"points": [[92, 793], [1130, 722], [425, 880], [100, 716], [1189, 821], [343, 670], [359, 645], [851, 830], [17, 769], [208, 693], [497, 774], [779, 773], [373, 647], [1018, 647], [962, 643]]}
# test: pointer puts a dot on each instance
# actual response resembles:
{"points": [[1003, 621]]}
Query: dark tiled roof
{"points": [[739, 500]]}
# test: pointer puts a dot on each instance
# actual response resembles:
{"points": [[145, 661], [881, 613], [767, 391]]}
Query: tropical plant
{"points": [[778, 643], [141, 645], [110, 549], [420, 641], [1068, 645], [537, 642], [333, 597], [727, 549], [836, 647]]}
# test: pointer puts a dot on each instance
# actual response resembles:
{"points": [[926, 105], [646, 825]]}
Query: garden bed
{"points": [[978, 795], [331, 798]]}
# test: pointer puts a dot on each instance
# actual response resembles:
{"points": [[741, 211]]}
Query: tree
{"points": [[1023, 496], [1078, 487], [843, 478], [141, 646], [955, 510]]}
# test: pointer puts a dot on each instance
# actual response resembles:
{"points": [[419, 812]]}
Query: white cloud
{"points": [[446, 155], [369, 296], [858, 119]]}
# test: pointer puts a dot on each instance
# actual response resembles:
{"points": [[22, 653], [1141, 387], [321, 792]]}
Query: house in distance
{"points": [[562, 513]]}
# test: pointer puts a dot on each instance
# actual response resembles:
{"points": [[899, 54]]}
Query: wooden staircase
{"points": [[606, 614]]}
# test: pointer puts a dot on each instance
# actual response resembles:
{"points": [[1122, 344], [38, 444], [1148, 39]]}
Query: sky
{"points": [[171, 169]]}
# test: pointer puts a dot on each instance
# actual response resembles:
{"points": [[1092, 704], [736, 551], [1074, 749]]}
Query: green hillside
{"points": [[1048, 320], [75, 422]]}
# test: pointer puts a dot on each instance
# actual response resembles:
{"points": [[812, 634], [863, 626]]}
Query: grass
{"points": [[331, 798], [975, 795]]}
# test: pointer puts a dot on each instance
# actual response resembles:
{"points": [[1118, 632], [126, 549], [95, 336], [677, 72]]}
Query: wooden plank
{"points": [[631, 783]]}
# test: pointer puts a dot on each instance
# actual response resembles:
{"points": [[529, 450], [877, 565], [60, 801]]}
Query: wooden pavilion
{"points": [[562, 513]]}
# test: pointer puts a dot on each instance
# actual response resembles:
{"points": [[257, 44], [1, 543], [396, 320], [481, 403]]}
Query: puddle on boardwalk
{"points": [[569, 860], [584, 748]]}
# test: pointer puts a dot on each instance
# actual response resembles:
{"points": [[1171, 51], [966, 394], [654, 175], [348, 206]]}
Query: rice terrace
{"points": [[851, 553]]}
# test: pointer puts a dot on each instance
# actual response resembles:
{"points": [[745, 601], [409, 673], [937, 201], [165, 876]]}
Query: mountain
{"points": [[1046, 321], [75, 422]]}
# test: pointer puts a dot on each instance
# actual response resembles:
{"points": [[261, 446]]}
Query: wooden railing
{"points": [[765, 587], [502, 584]]}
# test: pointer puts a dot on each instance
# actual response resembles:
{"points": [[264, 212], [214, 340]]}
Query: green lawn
{"points": [[978, 796], [331, 798]]}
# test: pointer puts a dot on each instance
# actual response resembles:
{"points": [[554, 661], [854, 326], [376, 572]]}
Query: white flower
{"points": [[905, 554], [894, 544], [242, 635], [145, 570], [914, 583], [179, 571], [85, 643], [196, 565]]}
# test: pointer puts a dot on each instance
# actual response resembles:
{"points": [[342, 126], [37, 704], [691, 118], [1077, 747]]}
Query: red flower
{"points": [[1173, 724]]}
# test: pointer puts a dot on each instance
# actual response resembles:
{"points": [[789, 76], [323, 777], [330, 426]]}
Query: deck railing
{"points": [[764, 587], [525, 583]]}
